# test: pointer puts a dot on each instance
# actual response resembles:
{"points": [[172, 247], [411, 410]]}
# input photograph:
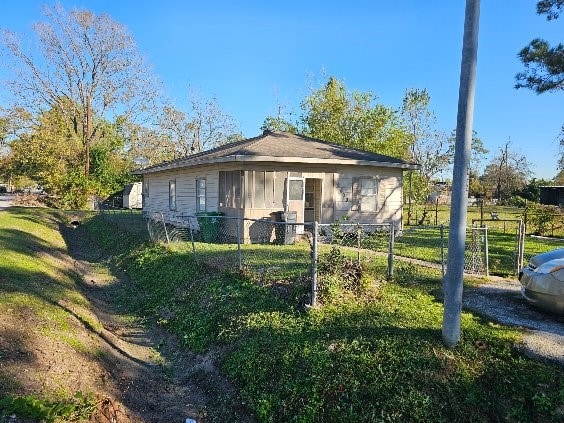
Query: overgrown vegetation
{"points": [[358, 357], [78, 408]]}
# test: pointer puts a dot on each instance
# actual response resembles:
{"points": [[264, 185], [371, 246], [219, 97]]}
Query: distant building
{"points": [[552, 196], [441, 193]]}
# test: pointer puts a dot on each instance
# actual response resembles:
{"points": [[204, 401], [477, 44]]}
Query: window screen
{"points": [[172, 195], [296, 189], [200, 195], [259, 190], [230, 183], [368, 194]]}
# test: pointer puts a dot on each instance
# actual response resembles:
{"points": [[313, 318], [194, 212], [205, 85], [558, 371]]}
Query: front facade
{"points": [[320, 181]]}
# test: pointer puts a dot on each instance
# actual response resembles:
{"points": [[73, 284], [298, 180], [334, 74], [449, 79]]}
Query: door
{"points": [[295, 199]]}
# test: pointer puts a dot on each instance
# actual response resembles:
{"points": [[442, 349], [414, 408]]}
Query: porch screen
{"points": [[230, 183]]}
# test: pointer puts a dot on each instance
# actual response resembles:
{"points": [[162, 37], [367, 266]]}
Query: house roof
{"points": [[282, 147]]}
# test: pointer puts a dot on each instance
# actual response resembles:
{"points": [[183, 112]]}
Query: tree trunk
{"points": [[87, 138], [453, 279]]}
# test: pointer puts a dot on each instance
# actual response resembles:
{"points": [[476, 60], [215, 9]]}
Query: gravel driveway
{"points": [[501, 300]]}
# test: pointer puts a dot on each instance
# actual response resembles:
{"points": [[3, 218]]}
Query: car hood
{"points": [[552, 266], [540, 259]]}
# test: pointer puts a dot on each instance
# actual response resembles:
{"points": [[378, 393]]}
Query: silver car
{"points": [[543, 281]]}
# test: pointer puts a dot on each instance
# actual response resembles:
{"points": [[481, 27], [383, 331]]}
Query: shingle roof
{"points": [[282, 147]]}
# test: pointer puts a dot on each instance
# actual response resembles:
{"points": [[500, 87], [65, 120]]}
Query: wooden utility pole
{"points": [[453, 280]]}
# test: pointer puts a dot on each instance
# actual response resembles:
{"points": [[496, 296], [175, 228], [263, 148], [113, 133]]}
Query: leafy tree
{"points": [[353, 119], [145, 143], [475, 186], [430, 147], [544, 65], [542, 218], [88, 69], [46, 155], [51, 156], [278, 123], [531, 191], [507, 173], [559, 178]]}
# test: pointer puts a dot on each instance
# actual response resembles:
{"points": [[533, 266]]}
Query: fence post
{"points": [[486, 251], [314, 266], [522, 245], [443, 249], [239, 253], [166, 231], [391, 252], [192, 238], [358, 243]]}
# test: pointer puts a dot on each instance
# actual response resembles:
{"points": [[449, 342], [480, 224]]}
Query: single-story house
{"points": [[280, 171]]}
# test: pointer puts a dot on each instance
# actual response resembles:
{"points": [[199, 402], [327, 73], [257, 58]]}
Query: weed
{"points": [[79, 407]]}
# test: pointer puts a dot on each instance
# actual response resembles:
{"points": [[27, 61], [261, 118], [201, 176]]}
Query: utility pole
{"points": [[453, 280]]}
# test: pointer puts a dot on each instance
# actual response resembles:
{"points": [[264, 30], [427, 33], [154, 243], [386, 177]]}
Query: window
{"points": [[146, 186], [296, 189], [230, 183], [172, 195], [200, 195], [259, 190], [368, 194]]}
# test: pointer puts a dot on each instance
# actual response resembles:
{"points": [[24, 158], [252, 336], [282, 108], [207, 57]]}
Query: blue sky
{"points": [[253, 55]]}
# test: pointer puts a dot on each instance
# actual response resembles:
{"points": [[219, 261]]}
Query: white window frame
{"points": [[199, 195], [373, 195], [172, 194]]}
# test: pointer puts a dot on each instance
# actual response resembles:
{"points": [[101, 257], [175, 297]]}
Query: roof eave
{"points": [[250, 159]]}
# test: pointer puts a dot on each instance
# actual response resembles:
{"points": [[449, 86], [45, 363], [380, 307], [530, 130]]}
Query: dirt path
{"points": [[154, 378]]}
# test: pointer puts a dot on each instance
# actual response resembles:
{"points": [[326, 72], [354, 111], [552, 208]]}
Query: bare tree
{"points": [[88, 68], [507, 172], [205, 125]]}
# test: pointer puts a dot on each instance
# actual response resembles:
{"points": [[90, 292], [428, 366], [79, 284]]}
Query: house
{"points": [[280, 171], [553, 196]]}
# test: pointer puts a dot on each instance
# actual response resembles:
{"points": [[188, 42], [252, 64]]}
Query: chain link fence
{"points": [[290, 254], [128, 220], [275, 253]]}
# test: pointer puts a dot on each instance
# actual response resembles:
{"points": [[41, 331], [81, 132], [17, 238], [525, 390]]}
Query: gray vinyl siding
{"points": [[389, 196], [157, 201]]}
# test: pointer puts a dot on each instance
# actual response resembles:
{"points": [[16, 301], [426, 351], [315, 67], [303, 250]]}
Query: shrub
{"points": [[542, 218], [338, 273]]}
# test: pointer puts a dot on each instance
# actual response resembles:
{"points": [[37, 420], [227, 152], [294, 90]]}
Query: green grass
{"points": [[370, 355], [442, 217], [33, 282], [424, 243]]}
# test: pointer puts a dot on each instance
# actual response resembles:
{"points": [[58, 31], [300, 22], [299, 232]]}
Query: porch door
{"points": [[295, 199]]}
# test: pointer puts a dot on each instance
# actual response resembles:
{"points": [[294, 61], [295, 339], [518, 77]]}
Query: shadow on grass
{"points": [[142, 302], [356, 361]]}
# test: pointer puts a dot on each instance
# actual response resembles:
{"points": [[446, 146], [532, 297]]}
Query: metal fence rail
{"points": [[289, 253], [271, 252]]}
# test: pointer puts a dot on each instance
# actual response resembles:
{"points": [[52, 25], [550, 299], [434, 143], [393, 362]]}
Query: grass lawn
{"points": [[36, 291], [372, 354]]}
